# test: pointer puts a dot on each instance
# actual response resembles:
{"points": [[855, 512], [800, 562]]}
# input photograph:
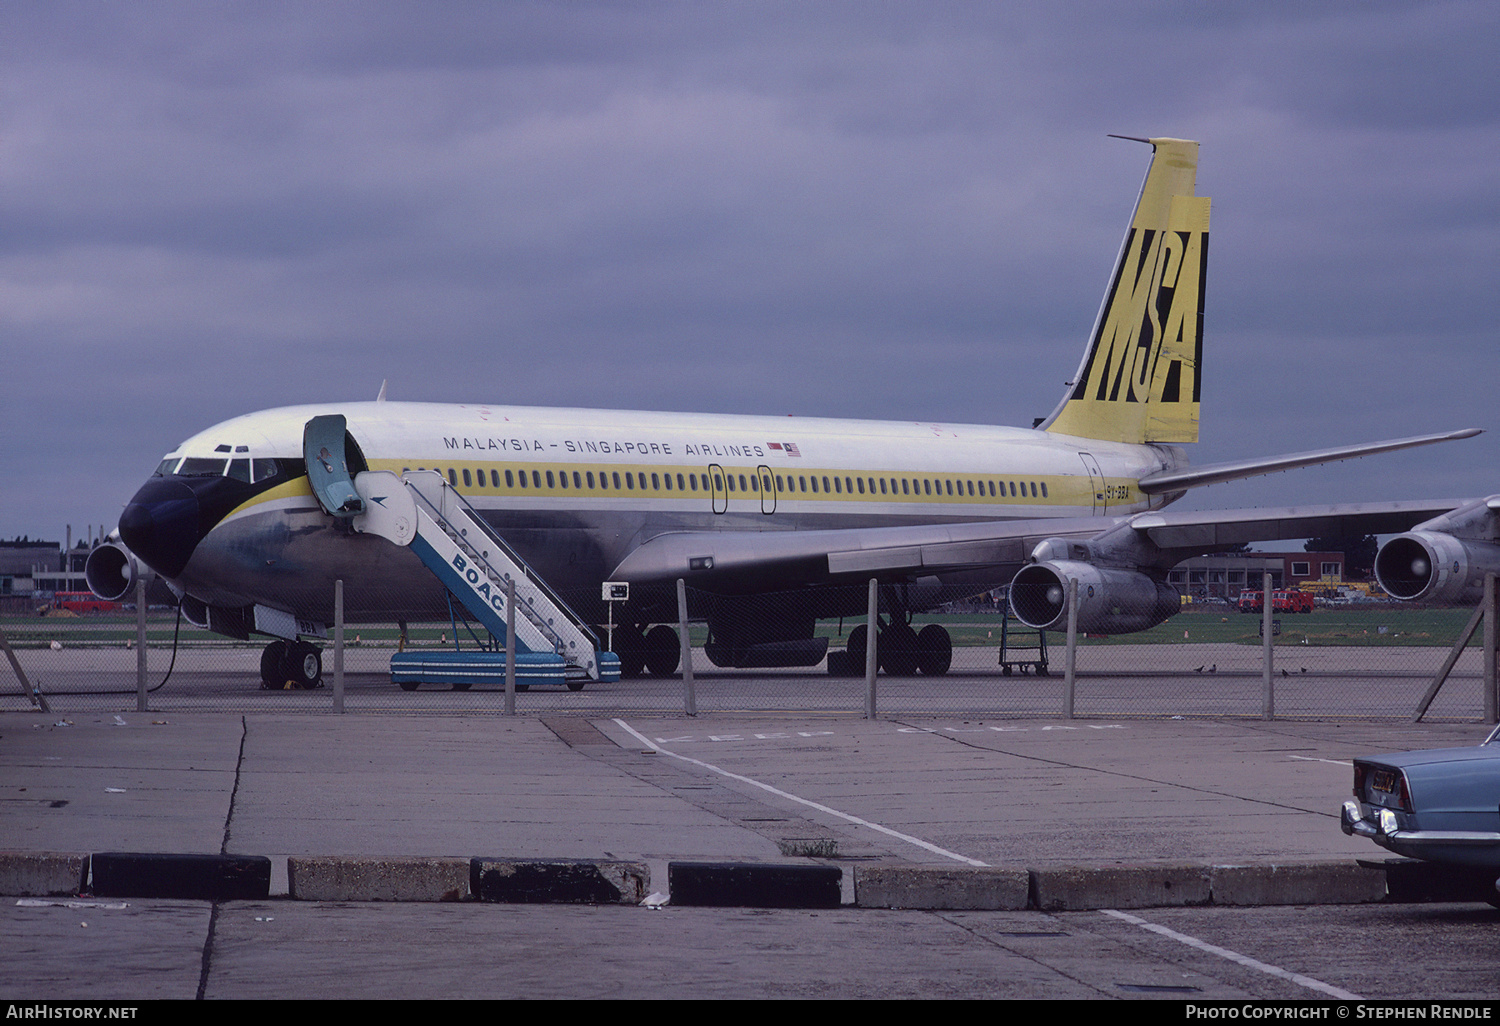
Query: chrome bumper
{"points": [[1385, 830]]}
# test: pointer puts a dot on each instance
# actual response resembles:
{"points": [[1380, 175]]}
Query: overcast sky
{"points": [[881, 209]]}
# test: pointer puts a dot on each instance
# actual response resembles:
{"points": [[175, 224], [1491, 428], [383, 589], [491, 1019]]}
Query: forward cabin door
{"points": [[333, 458]]}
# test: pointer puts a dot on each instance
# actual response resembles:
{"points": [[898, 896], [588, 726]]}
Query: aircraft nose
{"points": [[161, 525]]}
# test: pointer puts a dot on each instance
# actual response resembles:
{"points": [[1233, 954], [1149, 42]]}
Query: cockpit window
{"points": [[237, 468], [201, 467]]}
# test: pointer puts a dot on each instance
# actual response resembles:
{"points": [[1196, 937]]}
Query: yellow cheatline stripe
{"points": [[1051, 490], [297, 488], [833, 484]]}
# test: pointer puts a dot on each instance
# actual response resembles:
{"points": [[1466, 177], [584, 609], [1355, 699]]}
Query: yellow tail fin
{"points": [[1140, 378]]}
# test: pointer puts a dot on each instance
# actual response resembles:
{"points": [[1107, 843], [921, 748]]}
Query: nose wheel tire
{"points": [[272, 659], [304, 666], [291, 666]]}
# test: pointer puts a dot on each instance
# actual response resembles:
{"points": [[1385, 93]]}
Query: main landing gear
{"points": [[291, 666], [657, 651], [899, 650]]}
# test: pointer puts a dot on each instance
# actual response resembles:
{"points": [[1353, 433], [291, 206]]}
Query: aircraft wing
{"points": [[1189, 532], [786, 559]]}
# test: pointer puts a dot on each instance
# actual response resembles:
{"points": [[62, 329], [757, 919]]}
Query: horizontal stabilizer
{"points": [[1187, 532], [1218, 473]]}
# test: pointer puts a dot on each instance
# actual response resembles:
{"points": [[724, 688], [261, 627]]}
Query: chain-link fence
{"points": [[939, 652]]}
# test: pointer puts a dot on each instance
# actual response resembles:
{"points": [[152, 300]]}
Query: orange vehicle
{"points": [[82, 602], [1289, 600]]}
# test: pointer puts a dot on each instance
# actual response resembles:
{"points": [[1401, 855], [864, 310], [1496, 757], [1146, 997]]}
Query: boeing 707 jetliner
{"points": [[251, 521]]}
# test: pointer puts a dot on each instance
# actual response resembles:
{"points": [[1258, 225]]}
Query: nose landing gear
{"points": [[291, 666]]}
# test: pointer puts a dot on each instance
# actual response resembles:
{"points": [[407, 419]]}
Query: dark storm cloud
{"points": [[874, 209]]}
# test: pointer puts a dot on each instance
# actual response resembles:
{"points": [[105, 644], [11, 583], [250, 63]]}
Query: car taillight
{"points": [[1359, 781]]}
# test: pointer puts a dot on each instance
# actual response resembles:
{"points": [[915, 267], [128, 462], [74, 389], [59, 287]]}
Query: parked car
{"points": [[1442, 805]]}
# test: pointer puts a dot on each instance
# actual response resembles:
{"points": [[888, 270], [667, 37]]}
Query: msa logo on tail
{"points": [[1139, 381]]}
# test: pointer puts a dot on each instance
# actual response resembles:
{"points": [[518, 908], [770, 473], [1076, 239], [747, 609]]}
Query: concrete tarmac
{"points": [[1018, 793]]}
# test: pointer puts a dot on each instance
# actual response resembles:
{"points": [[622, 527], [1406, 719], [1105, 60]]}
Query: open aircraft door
{"points": [[333, 458]]}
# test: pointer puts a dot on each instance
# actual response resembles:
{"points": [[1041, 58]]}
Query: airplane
{"points": [[767, 519]]}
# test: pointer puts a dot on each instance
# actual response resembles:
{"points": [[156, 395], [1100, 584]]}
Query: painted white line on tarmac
{"points": [[1235, 956], [1331, 762], [898, 835]]}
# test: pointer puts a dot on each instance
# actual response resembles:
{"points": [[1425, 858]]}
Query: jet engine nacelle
{"points": [[111, 571], [1446, 558], [1436, 566], [1110, 601]]}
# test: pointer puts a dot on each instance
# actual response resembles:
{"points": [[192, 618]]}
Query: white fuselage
{"points": [[576, 490]]}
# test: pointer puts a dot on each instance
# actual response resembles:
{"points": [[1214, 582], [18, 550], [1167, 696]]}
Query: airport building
{"points": [[34, 570], [1225, 576]]}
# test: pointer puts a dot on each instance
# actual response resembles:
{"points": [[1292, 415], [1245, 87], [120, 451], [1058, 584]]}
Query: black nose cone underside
{"points": [[162, 526]]}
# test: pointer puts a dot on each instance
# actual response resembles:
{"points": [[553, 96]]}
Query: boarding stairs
{"points": [[422, 510]]}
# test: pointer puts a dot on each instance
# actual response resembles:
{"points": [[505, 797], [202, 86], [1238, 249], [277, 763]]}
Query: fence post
{"points": [[1490, 703], [140, 643], [510, 646], [1070, 657], [1453, 656], [871, 650], [1267, 607], [689, 690], [338, 646]]}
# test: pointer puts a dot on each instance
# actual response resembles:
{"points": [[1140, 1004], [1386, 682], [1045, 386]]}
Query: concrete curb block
{"points": [[754, 885], [941, 888], [578, 881], [1073, 888], [1076, 888], [369, 878], [1304, 883], [42, 873], [119, 874]]}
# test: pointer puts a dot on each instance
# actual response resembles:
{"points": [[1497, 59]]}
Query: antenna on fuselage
{"points": [[381, 397]]}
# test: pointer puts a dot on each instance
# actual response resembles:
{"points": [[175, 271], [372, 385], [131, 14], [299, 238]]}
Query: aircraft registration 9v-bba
{"points": [[253, 520]]}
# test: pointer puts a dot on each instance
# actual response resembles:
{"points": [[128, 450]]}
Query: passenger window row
{"points": [[563, 480]]}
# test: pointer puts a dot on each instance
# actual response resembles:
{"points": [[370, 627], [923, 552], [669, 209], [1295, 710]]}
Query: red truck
{"points": [[1286, 601], [82, 602]]}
